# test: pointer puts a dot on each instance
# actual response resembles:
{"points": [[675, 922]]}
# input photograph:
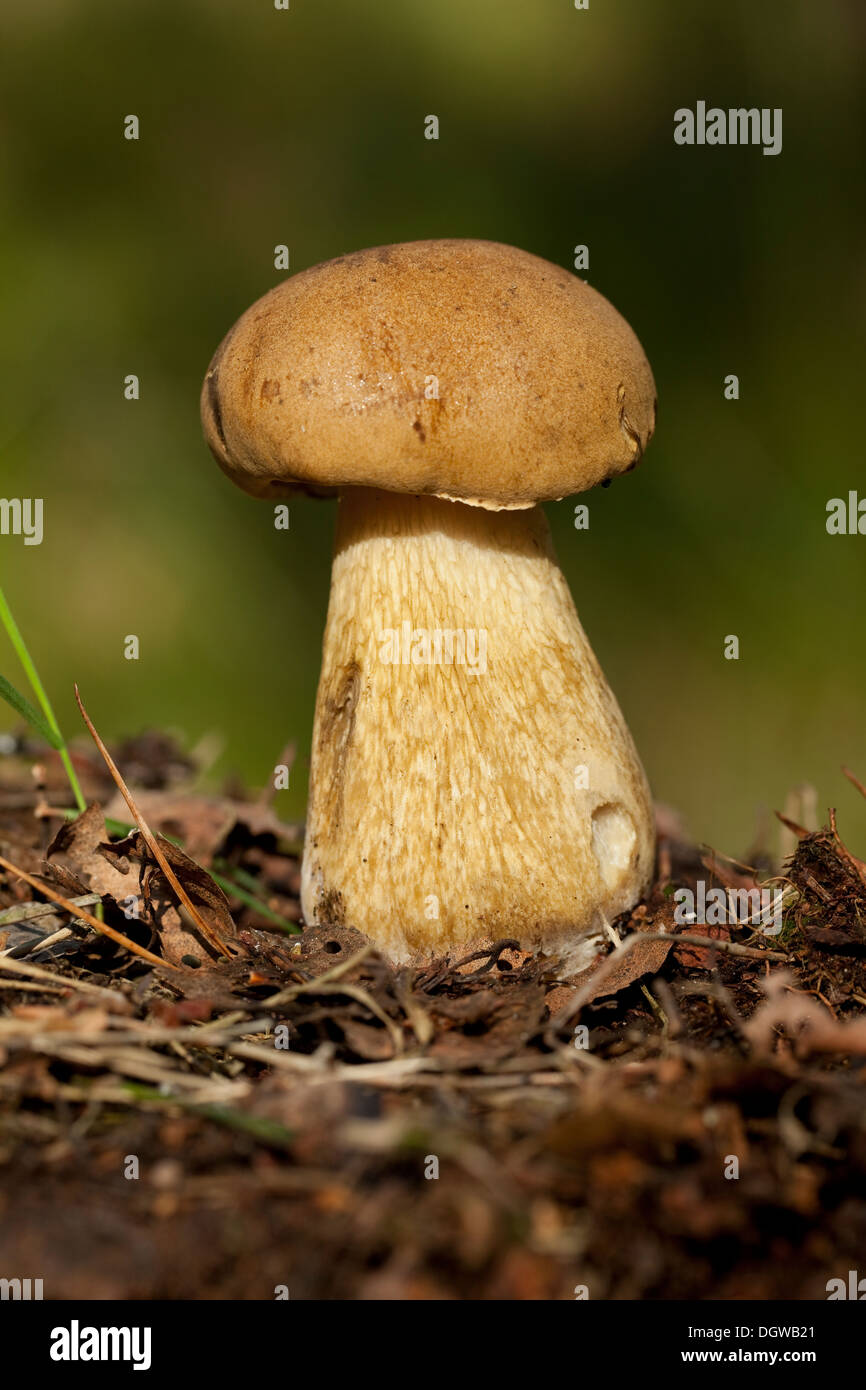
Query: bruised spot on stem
{"points": [[335, 735], [329, 908]]}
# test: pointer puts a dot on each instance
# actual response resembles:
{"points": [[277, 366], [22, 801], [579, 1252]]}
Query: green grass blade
{"points": [[258, 1127], [23, 707], [26, 660]]}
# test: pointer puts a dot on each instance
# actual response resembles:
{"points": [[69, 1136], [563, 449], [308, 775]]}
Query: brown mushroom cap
{"points": [[329, 380]]}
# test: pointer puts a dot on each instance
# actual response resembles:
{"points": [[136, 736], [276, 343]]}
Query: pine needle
{"points": [[150, 839]]}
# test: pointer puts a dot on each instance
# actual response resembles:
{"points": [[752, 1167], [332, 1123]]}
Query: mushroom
{"points": [[472, 776]]}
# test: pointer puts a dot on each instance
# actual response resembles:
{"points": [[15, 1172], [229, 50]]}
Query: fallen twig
{"points": [[38, 972]]}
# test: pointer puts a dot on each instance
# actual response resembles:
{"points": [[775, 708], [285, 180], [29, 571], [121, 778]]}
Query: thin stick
{"points": [[27, 948], [14, 1033], [857, 865], [855, 781], [382, 1072], [32, 987], [733, 948], [38, 972], [153, 845], [362, 997], [85, 916]]}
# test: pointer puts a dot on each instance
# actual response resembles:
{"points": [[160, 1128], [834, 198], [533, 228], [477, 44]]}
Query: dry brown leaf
{"points": [[807, 1022], [78, 848], [179, 936], [203, 823]]}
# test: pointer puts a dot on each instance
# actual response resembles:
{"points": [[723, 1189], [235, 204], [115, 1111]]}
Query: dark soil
{"points": [[411, 1134]]}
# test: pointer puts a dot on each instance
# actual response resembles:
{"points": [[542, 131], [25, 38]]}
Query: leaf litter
{"points": [[286, 1091]]}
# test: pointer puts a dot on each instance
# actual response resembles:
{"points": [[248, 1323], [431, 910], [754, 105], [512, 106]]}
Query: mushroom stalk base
{"points": [[472, 776]]}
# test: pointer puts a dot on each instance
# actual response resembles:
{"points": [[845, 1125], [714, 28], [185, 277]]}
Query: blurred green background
{"points": [[306, 127]]}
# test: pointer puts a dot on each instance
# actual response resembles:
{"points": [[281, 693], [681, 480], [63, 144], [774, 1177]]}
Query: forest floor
{"points": [[251, 1110]]}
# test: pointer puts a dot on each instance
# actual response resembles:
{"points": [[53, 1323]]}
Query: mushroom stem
{"points": [[472, 775]]}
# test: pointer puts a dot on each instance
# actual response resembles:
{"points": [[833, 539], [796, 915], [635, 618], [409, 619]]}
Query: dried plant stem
{"points": [[8, 966]]}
